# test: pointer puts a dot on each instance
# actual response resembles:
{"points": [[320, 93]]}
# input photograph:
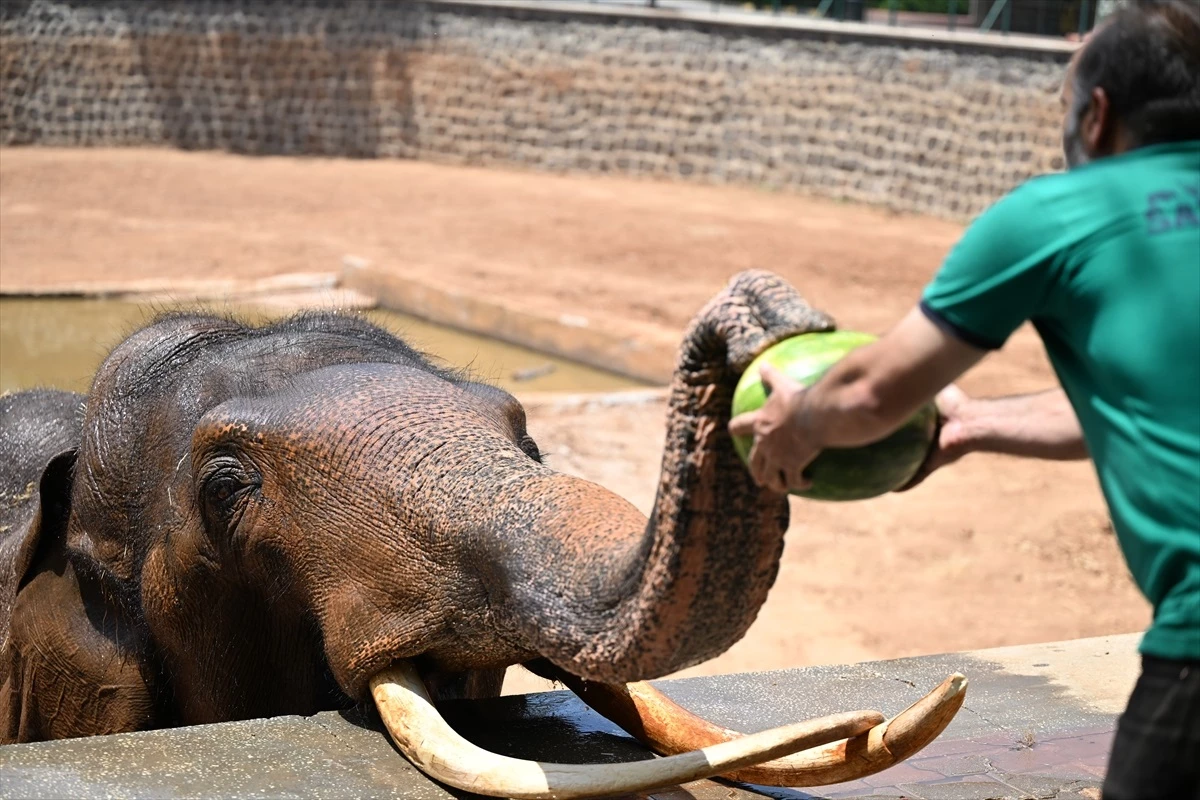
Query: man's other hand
{"points": [[951, 442]]}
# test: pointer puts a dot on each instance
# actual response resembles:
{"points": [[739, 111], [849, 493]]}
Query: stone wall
{"points": [[937, 128]]}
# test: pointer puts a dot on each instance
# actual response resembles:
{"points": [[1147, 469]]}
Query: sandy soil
{"points": [[994, 552]]}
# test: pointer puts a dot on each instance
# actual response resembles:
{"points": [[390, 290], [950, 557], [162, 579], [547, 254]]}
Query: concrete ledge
{"points": [[647, 355], [963, 40], [1037, 723], [314, 288]]}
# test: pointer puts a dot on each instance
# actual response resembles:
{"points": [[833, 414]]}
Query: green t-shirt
{"points": [[1104, 260]]}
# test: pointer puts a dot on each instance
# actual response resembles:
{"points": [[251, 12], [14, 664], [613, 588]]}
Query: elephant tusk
{"points": [[656, 720], [437, 750]]}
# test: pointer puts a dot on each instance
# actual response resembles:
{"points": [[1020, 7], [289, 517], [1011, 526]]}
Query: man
{"points": [[1104, 259]]}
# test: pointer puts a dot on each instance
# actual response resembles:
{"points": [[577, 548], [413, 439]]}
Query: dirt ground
{"points": [[994, 552]]}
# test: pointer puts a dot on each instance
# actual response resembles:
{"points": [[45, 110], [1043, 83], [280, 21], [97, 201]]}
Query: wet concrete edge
{"points": [[1018, 735]]}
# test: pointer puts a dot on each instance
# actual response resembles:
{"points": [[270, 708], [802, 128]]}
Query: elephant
{"points": [[245, 521]]}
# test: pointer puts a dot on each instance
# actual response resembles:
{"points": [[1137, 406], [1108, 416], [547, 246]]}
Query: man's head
{"points": [[1135, 82]]}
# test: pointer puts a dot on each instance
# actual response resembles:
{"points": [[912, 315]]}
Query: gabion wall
{"points": [[915, 128]]}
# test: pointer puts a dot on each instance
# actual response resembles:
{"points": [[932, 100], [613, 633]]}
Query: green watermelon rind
{"points": [[894, 460]]}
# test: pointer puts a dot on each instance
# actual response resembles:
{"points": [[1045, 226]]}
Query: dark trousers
{"points": [[1156, 752]]}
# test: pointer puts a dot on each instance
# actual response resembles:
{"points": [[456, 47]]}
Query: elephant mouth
{"points": [[815, 752]]}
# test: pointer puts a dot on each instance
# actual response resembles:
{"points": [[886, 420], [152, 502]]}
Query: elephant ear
{"points": [[38, 514], [70, 664]]}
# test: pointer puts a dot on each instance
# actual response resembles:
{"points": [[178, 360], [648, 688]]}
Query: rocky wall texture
{"points": [[918, 128]]}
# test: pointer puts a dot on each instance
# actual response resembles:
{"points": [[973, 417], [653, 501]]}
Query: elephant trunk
{"points": [[606, 594]]}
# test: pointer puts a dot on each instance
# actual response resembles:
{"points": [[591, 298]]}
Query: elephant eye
{"points": [[223, 488], [223, 484]]}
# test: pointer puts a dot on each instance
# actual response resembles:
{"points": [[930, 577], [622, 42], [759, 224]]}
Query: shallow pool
{"points": [[59, 342]]}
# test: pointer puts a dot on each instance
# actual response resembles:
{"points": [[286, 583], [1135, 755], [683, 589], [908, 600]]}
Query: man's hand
{"points": [[951, 443], [783, 446]]}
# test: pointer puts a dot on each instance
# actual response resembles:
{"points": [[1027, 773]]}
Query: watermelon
{"points": [[838, 474]]}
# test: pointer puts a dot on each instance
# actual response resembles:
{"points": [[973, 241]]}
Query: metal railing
{"points": [[1055, 18]]}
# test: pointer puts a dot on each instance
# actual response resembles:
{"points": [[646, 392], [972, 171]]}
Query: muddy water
{"points": [[60, 342]]}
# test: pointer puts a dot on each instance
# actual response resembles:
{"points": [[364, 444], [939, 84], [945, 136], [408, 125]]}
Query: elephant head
{"points": [[288, 518]]}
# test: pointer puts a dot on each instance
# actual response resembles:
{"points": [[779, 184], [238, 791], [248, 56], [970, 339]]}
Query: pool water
{"points": [[59, 342]]}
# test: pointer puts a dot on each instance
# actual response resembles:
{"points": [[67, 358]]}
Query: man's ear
{"points": [[70, 663], [1098, 128]]}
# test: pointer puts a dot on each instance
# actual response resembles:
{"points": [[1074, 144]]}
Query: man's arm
{"points": [[1041, 425], [861, 399], [999, 275]]}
